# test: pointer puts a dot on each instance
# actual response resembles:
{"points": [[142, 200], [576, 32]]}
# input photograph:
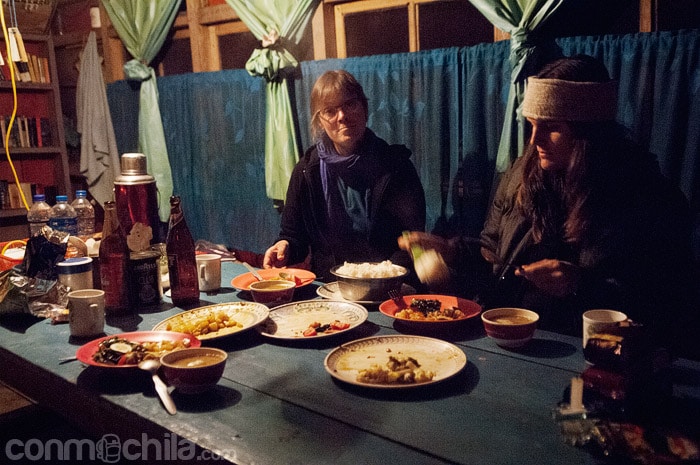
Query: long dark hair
{"points": [[565, 205]]}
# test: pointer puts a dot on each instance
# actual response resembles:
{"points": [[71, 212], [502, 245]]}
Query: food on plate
{"points": [[315, 328], [200, 325], [119, 351], [398, 370], [384, 269], [429, 309], [285, 276]]}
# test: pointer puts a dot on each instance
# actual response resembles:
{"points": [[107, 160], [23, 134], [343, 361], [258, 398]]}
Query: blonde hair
{"points": [[329, 88]]}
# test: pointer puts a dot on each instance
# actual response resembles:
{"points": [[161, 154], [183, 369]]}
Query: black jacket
{"points": [[397, 203]]}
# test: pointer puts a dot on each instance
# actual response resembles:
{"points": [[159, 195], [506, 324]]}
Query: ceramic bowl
{"points": [[193, 370], [510, 327], [368, 289], [272, 292]]}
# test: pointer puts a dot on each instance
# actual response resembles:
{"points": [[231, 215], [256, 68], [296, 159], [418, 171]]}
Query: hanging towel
{"points": [[99, 156]]}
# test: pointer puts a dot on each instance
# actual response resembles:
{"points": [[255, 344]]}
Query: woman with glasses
{"points": [[352, 193]]}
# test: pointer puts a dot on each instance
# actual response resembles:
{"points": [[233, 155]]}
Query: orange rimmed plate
{"points": [[243, 281], [469, 307], [86, 351]]}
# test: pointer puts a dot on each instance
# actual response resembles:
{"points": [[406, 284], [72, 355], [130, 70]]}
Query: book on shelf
{"points": [[15, 198], [27, 131]]}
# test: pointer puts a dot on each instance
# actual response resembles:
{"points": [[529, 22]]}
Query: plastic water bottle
{"points": [[38, 215], [63, 216], [86, 213]]}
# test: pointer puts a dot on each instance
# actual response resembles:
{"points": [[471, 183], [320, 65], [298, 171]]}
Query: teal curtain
{"points": [[520, 19], [447, 106], [143, 26], [276, 23]]}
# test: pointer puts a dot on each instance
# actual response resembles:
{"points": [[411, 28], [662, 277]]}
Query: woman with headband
{"points": [[584, 219]]}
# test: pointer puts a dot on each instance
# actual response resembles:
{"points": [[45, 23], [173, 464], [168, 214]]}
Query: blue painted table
{"points": [[276, 404]]}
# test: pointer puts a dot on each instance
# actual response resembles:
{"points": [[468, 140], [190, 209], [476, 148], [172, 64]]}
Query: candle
{"points": [[576, 399]]}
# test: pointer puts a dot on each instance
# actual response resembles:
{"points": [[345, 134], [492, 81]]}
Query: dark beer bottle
{"points": [[182, 266], [114, 262]]}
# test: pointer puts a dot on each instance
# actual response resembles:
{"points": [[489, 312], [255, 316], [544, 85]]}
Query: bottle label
{"points": [[69, 225]]}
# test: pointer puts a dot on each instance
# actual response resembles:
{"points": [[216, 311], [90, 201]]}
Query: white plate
{"points": [[246, 314], [291, 320], [441, 357], [331, 291]]}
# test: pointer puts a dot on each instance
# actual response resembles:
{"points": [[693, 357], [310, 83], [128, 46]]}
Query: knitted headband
{"points": [[559, 100]]}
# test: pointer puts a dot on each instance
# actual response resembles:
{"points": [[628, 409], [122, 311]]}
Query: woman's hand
{"points": [[555, 277], [426, 242], [276, 256]]}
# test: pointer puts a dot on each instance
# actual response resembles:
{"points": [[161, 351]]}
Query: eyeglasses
{"points": [[350, 107]]}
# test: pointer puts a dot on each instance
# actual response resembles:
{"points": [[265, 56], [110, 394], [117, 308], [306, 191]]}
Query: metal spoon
{"points": [[152, 365], [252, 271]]}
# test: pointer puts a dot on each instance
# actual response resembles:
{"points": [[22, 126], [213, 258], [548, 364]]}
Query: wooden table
{"points": [[276, 404]]}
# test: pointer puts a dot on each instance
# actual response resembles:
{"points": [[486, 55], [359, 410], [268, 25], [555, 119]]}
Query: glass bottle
{"points": [[114, 262], [182, 266]]}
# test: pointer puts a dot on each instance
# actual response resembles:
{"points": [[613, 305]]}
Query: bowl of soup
{"points": [[510, 327], [272, 292], [194, 370]]}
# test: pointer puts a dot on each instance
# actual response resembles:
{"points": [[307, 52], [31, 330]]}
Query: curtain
{"points": [[447, 106], [520, 19], [276, 23], [143, 26]]}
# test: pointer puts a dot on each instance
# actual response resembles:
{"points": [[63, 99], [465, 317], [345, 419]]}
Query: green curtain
{"points": [[273, 21], [520, 19], [143, 26]]}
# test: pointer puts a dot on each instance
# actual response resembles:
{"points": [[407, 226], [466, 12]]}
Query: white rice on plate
{"points": [[385, 269]]}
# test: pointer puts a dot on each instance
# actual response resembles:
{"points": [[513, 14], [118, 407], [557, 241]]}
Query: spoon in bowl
{"points": [[151, 366]]}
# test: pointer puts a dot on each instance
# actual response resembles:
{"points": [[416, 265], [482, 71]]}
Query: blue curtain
{"points": [[446, 105]]}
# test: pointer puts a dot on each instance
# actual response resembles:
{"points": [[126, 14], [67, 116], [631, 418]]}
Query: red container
{"points": [[136, 196]]}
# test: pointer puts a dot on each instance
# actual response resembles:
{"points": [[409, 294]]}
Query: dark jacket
{"points": [[639, 263], [396, 203]]}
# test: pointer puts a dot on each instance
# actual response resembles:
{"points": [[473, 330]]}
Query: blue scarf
{"points": [[347, 182]]}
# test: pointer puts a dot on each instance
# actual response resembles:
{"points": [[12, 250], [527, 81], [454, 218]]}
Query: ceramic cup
{"points": [[86, 312], [599, 321], [209, 272]]}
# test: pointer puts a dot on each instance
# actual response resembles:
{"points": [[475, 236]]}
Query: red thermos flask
{"points": [[136, 197]]}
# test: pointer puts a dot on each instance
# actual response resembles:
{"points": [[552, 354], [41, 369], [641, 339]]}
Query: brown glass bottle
{"points": [[182, 266], [114, 262]]}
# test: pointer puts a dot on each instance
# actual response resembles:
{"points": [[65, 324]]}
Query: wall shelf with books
{"points": [[37, 142]]}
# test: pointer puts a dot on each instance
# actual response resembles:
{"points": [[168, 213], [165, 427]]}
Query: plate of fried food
{"points": [[301, 277], [215, 321], [430, 309], [126, 350], [395, 362]]}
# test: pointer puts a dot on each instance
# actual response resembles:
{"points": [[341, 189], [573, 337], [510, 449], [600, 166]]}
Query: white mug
{"points": [[86, 312], [600, 320], [209, 272]]}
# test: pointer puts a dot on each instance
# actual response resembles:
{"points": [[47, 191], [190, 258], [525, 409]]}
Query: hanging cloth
{"points": [[272, 22], [143, 26], [99, 156]]}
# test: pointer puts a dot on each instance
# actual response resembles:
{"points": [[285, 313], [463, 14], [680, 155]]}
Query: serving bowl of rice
{"points": [[369, 281]]}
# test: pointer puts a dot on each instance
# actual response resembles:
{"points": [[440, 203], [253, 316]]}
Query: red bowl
{"points": [[273, 292], [510, 327], [194, 370]]}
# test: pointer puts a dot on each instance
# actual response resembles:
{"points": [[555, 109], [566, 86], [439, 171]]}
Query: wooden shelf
{"points": [[13, 213]]}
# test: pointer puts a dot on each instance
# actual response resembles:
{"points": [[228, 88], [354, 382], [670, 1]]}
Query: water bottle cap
{"points": [[39, 197], [81, 193], [61, 198]]}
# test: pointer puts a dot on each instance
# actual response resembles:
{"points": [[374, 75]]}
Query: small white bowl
{"points": [[510, 327]]}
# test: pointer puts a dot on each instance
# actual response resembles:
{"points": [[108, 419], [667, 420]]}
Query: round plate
{"points": [[441, 357], [291, 320], [243, 281], [469, 307], [331, 291], [85, 352], [247, 314]]}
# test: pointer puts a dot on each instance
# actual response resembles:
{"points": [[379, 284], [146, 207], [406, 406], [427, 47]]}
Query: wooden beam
{"points": [[204, 44]]}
